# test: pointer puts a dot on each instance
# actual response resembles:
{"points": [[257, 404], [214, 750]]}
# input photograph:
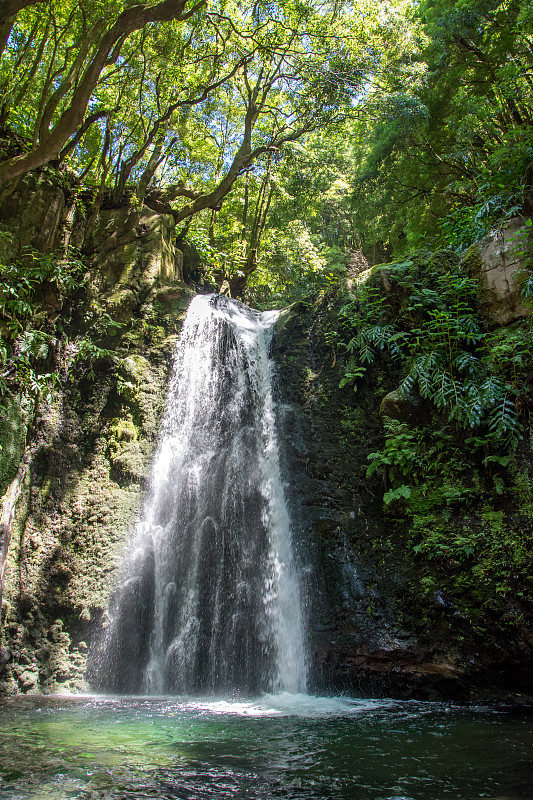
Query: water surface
{"points": [[284, 746]]}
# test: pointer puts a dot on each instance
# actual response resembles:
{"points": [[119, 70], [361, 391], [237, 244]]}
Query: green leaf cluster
{"points": [[429, 324]]}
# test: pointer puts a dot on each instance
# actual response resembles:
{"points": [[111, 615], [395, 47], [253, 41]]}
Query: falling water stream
{"points": [[207, 629], [210, 599]]}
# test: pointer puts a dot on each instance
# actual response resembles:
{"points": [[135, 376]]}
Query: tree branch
{"points": [[8, 12], [130, 20]]}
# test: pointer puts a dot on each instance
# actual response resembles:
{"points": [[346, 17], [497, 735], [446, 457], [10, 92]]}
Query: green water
{"points": [[288, 747]]}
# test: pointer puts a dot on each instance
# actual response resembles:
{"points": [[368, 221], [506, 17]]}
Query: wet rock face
{"points": [[325, 441], [372, 628]]}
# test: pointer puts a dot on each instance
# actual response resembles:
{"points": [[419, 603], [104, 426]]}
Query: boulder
{"points": [[28, 681], [405, 407], [498, 261]]}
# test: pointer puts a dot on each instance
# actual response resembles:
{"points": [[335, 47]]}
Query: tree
{"points": [[66, 93], [8, 12], [123, 102], [447, 155]]}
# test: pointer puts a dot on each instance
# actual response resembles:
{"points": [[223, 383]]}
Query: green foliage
{"points": [[497, 192], [292, 264], [25, 359], [443, 153], [191, 102], [456, 485], [395, 494], [433, 330], [399, 456], [24, 370], [87, 349], [352, 373], [32, 271], [445, 488], [87, 355]]}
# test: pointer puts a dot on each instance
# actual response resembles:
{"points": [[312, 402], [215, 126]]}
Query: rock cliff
{"points": [[385, 617], [110, 343]]}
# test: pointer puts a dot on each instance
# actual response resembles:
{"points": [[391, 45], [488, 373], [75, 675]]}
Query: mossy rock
{"points": [[405, 407], [292, 313], [14, 418], [416, 268], [32, 215], [471, 262], [126, 454], [128, 458], [136, 367], [122, 303], [122, 430], [134, 378], [176, 295]]}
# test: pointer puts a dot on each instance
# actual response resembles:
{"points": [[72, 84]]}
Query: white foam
{"points": [[286, 704]]}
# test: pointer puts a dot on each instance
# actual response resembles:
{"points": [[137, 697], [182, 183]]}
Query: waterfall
{"points": [[209, 599]]}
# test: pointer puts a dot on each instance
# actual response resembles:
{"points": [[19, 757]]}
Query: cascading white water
{"points": [[211, 600]]}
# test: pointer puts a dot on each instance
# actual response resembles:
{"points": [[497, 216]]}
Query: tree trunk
{"points": [[244, 226], [8, 12], [5, 30]]}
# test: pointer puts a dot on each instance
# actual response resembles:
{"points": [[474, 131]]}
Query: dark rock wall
{"points": [[374, 627], [351, 580]]}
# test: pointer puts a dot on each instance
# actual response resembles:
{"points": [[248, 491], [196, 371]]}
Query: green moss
{"points": [[471, 262], [14, 413], [125, 451], [134, 374], [522, 489], [353, 419], [122, 430], [121, 304], [153, 335]]}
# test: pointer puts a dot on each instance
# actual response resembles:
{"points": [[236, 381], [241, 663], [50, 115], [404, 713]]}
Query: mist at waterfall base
{"points": [[209, 599]]}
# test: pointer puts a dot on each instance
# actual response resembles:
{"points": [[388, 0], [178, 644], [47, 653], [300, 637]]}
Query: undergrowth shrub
{"points": [[458, 482], [430, 325]]}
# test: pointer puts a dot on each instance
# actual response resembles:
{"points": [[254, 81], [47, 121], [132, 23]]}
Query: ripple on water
{"points": [[295, 747]]}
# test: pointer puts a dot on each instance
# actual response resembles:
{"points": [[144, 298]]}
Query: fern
{"points": [[402, 491], [407, 385], [366, 353], [504, 422], [352, 373], [467, 364], [474, 377]]}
